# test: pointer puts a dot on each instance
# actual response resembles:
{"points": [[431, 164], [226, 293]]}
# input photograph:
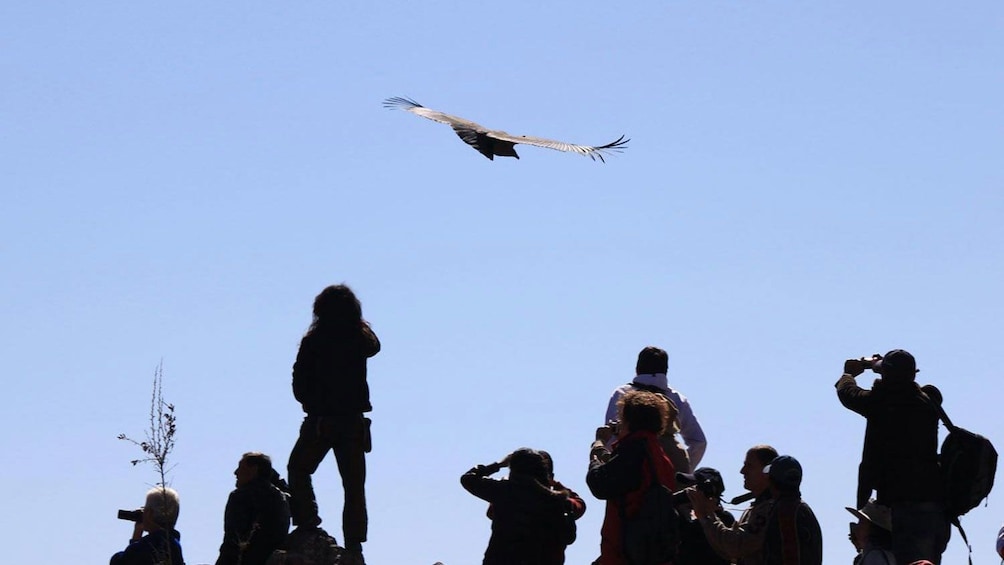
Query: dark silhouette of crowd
{"points": [[660, 507]]}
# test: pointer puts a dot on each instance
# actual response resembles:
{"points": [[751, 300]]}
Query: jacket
{"points": [[622, 480], [528, 519], [743, 541], [899, 459], [575, 508], [695, 549], [151, 549], [793, 536], [690, 428], [257, 514], [329, 375]]}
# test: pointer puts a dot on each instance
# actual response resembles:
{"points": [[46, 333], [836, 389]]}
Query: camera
{"points": [[131, 515], [708, 487], [872, 362]]}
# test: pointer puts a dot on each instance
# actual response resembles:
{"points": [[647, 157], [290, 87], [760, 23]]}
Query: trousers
{"points": [[348, 439], [920, 530]]}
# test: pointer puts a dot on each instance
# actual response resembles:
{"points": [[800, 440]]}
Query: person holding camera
{"points": [[899, 460], [741, 548], [162, 543], [531, 522], [256, 519], [784, 529], [622, 476], [695, 549], [650, 376], [329, 381]]}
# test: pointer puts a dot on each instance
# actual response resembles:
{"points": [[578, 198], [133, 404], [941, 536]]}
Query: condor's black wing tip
{"points": [[400, 102]]}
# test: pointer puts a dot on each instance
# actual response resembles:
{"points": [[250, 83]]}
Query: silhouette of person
{"points": [[329, 381], [899, 459], [531, 520], [256, 520], [162, 543]]}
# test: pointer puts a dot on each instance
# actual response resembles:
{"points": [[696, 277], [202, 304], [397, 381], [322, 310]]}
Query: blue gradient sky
{"points": [[805, 183]]}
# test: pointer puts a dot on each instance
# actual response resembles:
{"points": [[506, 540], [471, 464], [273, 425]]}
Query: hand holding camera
{"points": [[855, 367], [134, 516], [702, 505], [604, 433]]}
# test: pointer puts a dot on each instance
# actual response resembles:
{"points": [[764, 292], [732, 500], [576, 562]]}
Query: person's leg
{"points": [[919, 531], [351, 459], [307, 454]]}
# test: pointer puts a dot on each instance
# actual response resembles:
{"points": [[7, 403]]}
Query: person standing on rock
{"points": [[329, 381]]}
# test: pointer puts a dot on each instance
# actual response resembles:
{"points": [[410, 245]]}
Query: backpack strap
{"points": [[647, 388], [941, 411], [958, 526]]}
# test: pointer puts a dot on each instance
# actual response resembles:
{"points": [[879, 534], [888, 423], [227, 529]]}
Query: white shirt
{"points": [[690, 428]]}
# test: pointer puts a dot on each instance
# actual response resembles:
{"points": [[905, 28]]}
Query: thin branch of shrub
{"points": [[157, 448]]}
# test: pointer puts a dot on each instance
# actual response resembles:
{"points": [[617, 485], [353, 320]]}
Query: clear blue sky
{"points": [[806, 182]]}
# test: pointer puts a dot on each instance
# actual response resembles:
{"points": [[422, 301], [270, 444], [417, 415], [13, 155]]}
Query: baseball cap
{"points": [[701, 476], [785, 471], [897, 363]]}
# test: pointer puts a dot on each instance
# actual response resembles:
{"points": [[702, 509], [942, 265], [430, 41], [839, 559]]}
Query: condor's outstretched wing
{"points": [[592, 151], [480, 137], [410, 105]]}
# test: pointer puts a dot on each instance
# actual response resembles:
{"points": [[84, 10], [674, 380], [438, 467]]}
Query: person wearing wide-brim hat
{"points": [[872, 535]]}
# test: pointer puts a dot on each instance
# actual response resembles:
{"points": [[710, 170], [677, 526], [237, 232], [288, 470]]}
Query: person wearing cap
{"points": [[695, 549], [650, 375], [754, 518], [899, 460], [528, 517], [622, 477], [789, 534], [872, 535]]}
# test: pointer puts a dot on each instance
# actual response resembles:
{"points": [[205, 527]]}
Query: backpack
{"points": [[652, 535], [968, 464]]}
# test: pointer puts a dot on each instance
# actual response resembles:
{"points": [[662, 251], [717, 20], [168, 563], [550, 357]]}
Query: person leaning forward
{"points": [[329, 381]]}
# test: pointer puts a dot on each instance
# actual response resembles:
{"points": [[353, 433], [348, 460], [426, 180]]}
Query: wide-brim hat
{"points": [[877, 514]]}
